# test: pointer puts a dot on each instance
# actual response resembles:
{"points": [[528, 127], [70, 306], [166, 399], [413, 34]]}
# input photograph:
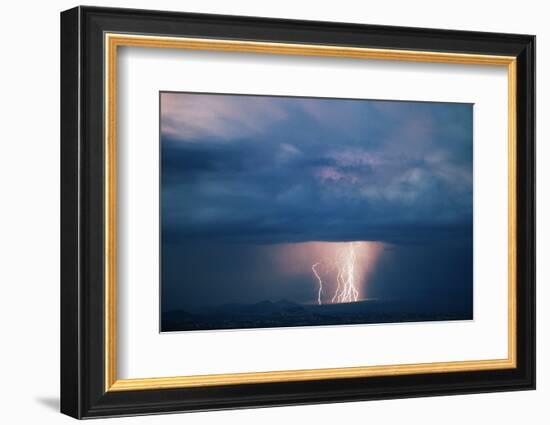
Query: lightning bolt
{"points": [[320, 282], [346, 277], [339, 283]]}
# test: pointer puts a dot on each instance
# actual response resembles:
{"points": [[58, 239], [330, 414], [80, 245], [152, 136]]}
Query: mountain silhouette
{"points": [[283, 313]]}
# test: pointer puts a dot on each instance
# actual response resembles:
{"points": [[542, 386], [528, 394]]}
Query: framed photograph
{"points": [[261, 212]]}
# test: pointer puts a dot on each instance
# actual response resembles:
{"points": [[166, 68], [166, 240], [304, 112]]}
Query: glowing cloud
{"points": [[340, 270]]}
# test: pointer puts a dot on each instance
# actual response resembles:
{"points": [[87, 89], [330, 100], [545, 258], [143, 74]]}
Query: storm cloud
{"points": [[264, 169]]}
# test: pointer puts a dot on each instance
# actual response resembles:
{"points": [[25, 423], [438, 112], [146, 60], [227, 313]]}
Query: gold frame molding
{"points": [[113, 40]]}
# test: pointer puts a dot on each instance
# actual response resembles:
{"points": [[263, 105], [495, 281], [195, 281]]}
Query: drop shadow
{"points": [[51, 403]]}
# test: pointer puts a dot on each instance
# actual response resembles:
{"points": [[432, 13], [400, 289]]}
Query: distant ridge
{"points": [[284, 313]]}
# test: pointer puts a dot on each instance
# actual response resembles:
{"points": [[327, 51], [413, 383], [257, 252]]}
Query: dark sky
{"points": [[245, 179]]}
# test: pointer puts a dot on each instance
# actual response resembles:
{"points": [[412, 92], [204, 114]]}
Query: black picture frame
{"points": [[83, 392]]}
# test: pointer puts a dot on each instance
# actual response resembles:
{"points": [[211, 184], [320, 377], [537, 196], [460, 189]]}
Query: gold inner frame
{"points": [[113, 41]]}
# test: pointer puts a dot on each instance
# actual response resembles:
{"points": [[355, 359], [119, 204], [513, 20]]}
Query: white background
{"points": [[145, 72], [29, 225]]}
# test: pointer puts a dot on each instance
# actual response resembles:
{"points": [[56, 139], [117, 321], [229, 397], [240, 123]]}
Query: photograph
{"points": [[280, 211]]}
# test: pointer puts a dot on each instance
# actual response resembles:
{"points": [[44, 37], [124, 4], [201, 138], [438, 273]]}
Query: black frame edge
{"points": [[82, 345], [526, 209], [70, 382]]}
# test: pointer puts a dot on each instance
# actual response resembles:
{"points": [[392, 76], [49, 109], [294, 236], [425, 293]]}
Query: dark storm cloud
{"points": [[273, 169]]}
